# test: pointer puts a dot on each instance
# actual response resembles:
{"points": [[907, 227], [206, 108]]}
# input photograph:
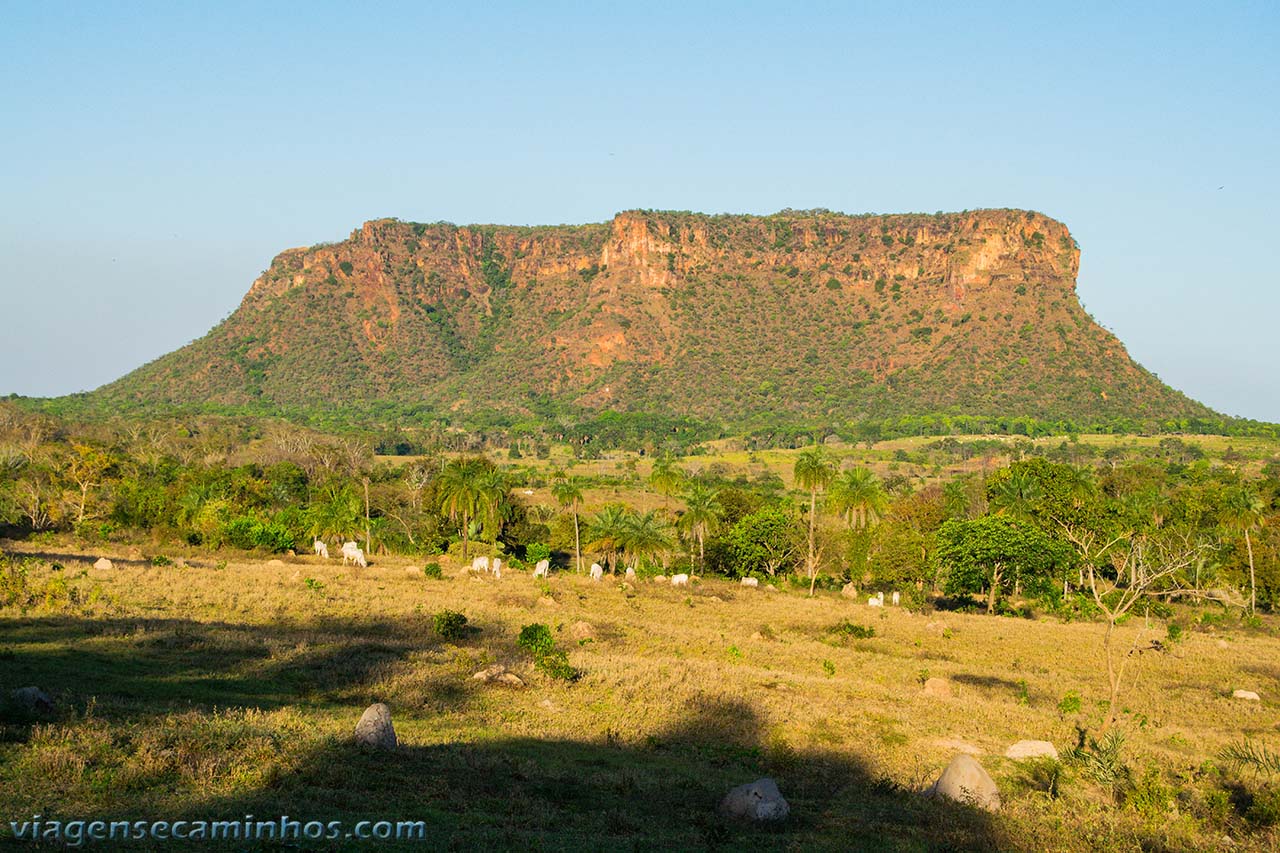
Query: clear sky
{"points": [[153, 158]]}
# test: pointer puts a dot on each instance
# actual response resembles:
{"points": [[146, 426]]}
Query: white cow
{"points": [[876, 600], [680, 580], [480, 564], [597, 571], [897, 599], [349, 551], [497, 568], [321, 549], [542, 569], [750, 582]]}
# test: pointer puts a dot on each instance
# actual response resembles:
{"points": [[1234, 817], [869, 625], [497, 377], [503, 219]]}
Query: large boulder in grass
{"points": [[936, 687], [33, 700], [1032, 749], [103, 563], [758, 801], [582, 631], [375, 730], [965, 781]]}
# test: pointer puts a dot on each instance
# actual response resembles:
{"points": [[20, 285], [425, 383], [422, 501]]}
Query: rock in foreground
{"points": [[375, 729], [965, 781], [32, 699], [759, 800]]}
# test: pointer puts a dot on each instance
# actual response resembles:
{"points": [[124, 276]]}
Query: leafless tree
{"points": [[1145, 566]]}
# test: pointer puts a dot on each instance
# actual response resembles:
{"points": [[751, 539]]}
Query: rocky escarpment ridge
{"points": [[806, 314]]}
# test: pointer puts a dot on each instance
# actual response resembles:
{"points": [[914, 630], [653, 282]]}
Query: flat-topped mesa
{"points": [[803, 314], [963, 250]]}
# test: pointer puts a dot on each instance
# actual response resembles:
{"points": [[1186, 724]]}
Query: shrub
{"points": [[13, 581], [249, 533], [1265, 809], [537, 640], [449, 624], [432, 571], [1149, 796], [845, 628], [1070, 703], [161, 560], [537, 552]]}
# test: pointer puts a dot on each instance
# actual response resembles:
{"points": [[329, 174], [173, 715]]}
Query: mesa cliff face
{"points": [[801, 315]]}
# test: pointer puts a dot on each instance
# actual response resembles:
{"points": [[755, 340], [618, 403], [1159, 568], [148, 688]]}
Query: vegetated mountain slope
{"points": [[801, 316]]}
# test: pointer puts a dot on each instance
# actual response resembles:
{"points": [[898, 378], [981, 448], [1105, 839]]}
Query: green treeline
{"points": [[1023, 526]]}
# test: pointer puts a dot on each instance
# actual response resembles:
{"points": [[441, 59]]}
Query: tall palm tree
{"points": [[461, 488], [666, 478], [1242, 511], [813, 471], [491, 510], [701, 514], [1016, 495], [607, 531], [643, 535], [334, 511], [858, 496], [569, 496]]}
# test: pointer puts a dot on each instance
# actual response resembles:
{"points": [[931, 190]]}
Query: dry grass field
{"points": [[231, 687]]}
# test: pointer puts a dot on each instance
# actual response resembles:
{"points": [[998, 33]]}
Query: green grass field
{"points": [[231, 688]]}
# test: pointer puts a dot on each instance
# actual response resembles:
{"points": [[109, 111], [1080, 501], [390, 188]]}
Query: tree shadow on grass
{"points": [[136, 668], [659, 791], [989, 682], [659, 794]]}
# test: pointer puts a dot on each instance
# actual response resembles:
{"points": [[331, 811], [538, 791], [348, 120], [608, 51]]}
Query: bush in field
{"points": [[845, 628], [537, 640], [249, 533], [449, 624], [432, 571]]}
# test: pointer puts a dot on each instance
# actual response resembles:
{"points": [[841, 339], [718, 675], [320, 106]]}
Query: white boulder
{"points": [[374, 729], [965, 781], [759, 800], [1032, 749]]}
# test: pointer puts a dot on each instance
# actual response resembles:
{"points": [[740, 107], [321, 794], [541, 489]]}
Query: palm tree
{"points": [[334, 512], [1242, 511], [1016, 495], [491, 511], [569, 496], [813, 471], [463, 489], [666, 478], [858, 496], [701, 514], [607, 532], [643, 535]]}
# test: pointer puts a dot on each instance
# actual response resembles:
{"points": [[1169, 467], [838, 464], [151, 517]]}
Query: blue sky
{"points": [[153, 158]]}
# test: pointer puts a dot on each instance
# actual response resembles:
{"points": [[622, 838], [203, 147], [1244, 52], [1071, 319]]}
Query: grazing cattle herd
{"points": [[351, 553]]}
